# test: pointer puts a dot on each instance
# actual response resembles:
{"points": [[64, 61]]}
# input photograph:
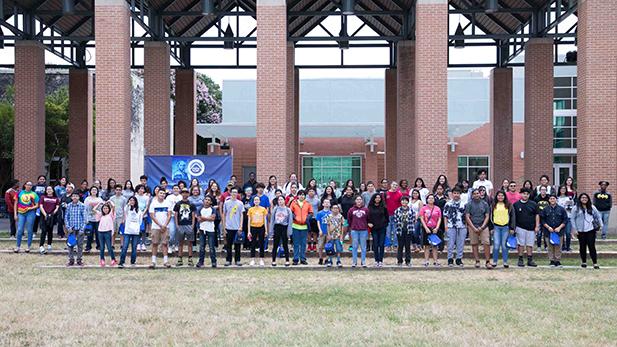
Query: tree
{"points": [[57, 124], [209, 100]]}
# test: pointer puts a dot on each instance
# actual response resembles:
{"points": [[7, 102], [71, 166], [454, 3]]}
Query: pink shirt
{"points": [[393, 201], [430, 215], [513, 197], [107, 222]]}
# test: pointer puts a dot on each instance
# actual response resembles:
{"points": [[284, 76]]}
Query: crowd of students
{"points": [[390, 216]]}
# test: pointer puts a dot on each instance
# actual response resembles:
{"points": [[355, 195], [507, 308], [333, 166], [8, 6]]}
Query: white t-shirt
{"points": [[486, 184], [172, 200], [207, 226], [132, 225], [160, 210]]}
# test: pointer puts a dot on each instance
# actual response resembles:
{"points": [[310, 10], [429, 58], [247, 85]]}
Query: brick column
{"points": [[296, 97], [597, 94], [294, 138], [431, 91], [185, 137], [157, 120], [81, 135], [29, 128], [405, 113], [501, 124], [390, 124], [113, 90], [538, 108], [370, 166], [274, 124]]}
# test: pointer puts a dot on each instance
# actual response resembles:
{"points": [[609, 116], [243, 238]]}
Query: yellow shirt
{"points": [[257, 215], [501, 216]]}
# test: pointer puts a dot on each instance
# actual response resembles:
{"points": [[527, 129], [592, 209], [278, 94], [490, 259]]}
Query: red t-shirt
{"points": [[513, 197], [393, 201], [430, 215], [49, 203]]}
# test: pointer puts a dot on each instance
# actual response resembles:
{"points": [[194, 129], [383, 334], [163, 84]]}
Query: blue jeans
{"points": [[132, 240], [25, 221], [93, 234], [358, 238], [391, 234], [211, 238], [568, 231], [605, 216], [379, 238], [299, 238], [416, 238], [105, 241], [172, 232], [499, 241], [338, 248]]}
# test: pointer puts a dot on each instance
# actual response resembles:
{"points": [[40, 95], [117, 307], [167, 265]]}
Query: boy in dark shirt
{"points": [[527, 225], [603, 201]]}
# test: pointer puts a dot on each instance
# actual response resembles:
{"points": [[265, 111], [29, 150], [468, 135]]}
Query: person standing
{"points": [[313, 234], [567, 202], [454, 221], [440, 201], [392, 199], [357, 218], [335, 234], [477, 214], [430, 217], [553, 219], [49, 206], [504, 223], [207, 215], [369, 193], [483, 182], [281, 224], [544, 183], [75, 220], [405, 223], [512, 195], [322, 225], [603, 201], [184, 213], [542, 200], [25, 212], [586, 221], [10, 197], [70, 188], [257, 229], [378, 222], [416, 203], [527, 225], [302, 211], [421, 187], [119, 202], [132, 219], [160, 214], [92, 232], [107, 217], [172, 199], [232, 222], [252, 181]]}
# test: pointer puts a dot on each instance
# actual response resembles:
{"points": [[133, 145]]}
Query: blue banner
{"points": [[185, 168]]}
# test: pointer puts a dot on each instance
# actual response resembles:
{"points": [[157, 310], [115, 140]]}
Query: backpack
{"points": [[329, 248]]}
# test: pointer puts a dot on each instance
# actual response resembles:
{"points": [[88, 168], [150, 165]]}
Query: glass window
{"points": [[468, 166], [339, 169], [562, 93], [563, 81]]}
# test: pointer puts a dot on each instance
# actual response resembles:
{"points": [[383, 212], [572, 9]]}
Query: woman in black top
{"points": [[440, 201], [378, 221], [347, 200]]}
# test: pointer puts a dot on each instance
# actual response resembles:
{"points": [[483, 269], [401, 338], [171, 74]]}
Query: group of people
{"points": [[390, 216]]}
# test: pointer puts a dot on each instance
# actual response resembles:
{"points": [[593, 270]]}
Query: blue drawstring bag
{"points": [[71, 241], [142, 227], [121, 229], [239, 237], [281, 252], [511, 242], [555, 239], [329, 248], [88, 229], [434, 240]]}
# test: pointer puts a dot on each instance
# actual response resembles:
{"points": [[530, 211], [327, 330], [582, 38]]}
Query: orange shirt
{"points": [[257, 216], [301, 210]]}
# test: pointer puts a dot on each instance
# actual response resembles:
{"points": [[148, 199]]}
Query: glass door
{"points": [[561, 172]]}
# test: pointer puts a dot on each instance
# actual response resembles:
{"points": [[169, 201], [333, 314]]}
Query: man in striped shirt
{"points": [[75, 222]]}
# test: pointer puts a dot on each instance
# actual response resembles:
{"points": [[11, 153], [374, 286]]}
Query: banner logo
{"points": [[196, 168]]}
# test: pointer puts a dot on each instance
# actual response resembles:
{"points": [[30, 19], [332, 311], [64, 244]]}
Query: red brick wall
{"points": [[431, 90], [157, 121], [501, 121], [405, 126], [29, 140], [186, 113], [538, 108], [597, 94], [274, 121], [81, 136], [390, 101], [113, 90]]}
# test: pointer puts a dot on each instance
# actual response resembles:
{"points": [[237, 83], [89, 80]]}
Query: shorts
{"points": [[525, 237], [160, 237], [185, 233], [321, 240], [484, 237]]}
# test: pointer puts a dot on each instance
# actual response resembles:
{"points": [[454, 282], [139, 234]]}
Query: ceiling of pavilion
{"points": [[195, 26]]}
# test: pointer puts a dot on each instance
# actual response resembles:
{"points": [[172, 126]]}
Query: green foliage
{"points": [[7, 116], [57, 124]]}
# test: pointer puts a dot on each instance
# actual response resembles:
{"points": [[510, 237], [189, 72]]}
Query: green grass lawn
{"points": [[529, 307]]}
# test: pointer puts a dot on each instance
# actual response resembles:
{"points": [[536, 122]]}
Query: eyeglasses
{"points": [[513, 185]]}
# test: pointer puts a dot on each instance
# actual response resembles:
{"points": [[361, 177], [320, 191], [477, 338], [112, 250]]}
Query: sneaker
{"points": [[273, 264], [120, 266], [584, 265], [170, 251], [102, 262], [179, 263], [408, 264], [488, 265], [199, 265], [238, 263], [213, 265], [294, 263], [303, 262], [558, 264], [338, 264], [320, 261], [477, 264], [552, 264], [329, 264], [48, 248], [261, 263], [353, 266], [80, 263], [190, 262], [16, 250], [506, 266], [252, 263], [459, 262], [27, 250], [521, 263], [426, 263], [70, 263], [113, 262], [167, 265], [450, 262], [531, 263], [42, 250], [286, 264], [364, 266], [596, 266], [152, 266]]}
